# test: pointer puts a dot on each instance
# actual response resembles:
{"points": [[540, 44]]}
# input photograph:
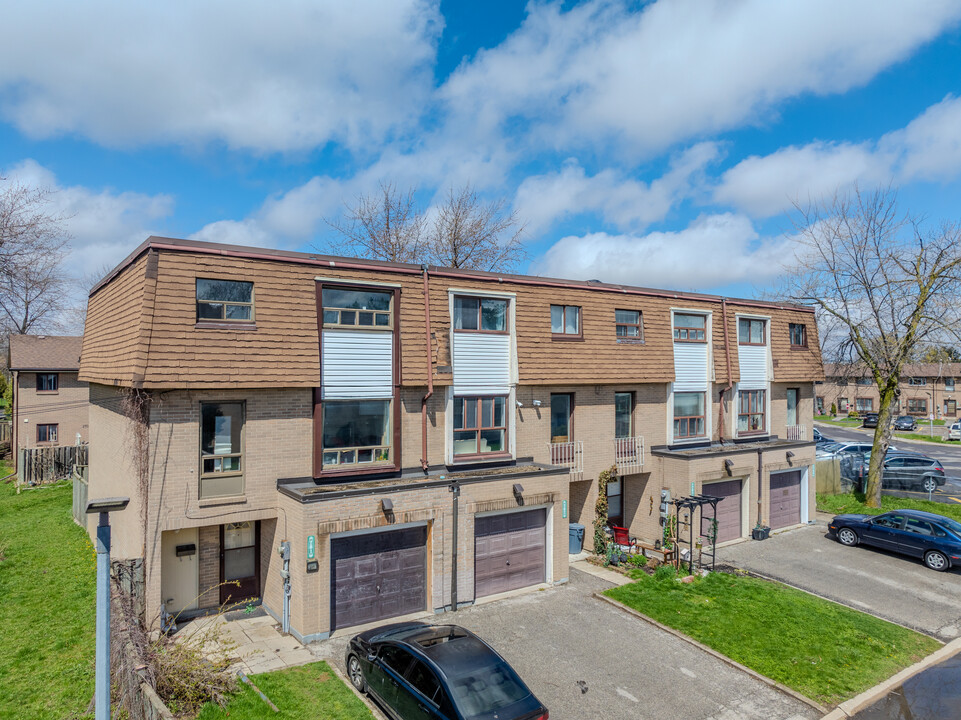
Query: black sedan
{"points": [[443, 672], [934, 538], [870, 420], [905, 423]]}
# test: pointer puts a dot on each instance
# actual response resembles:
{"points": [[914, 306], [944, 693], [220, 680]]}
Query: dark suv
{"points": [[902, 470], [870, 420], [905, 423]]}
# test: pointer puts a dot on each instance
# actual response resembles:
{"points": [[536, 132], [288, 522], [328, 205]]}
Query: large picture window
{"points": [[366, 309], [480, 314], [750, 332], [750, 414], [221, 449], [917, 406], [690, 328], [689, 415], [864, 404], [356, 432], [480, 425], [225, 300]]}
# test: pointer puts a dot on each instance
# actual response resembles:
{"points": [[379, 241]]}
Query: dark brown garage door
{"points": [[785, 499], [377, 576], [728, 510], [509, 551]]}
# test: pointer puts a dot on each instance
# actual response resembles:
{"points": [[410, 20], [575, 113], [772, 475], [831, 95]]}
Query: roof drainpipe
{"points": [[430, 372], [730, 382]]}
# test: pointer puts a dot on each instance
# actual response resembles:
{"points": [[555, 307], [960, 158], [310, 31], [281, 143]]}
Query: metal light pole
{"points": [[104, 507]]}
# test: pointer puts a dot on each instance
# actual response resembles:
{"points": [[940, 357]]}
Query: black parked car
{"points": [[870, 420], [443, 672], [902, 470], [934, 538], [905, 423]]}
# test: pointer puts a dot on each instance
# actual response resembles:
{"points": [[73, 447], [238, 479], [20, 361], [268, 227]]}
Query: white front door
{"points": [[180, 575]]}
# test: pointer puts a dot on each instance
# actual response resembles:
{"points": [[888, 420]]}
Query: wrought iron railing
{"points": [[797, 432]]}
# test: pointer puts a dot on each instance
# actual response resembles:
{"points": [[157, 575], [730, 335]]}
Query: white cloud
{"points": [[928, 148], [275, 76], [104, 225], [621, 201], [714, 251], [600, 74]]}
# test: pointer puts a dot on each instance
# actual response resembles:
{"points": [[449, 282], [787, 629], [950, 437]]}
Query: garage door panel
{"points": [[785, 499], [509, 551], [378, 576], [728, 510]]}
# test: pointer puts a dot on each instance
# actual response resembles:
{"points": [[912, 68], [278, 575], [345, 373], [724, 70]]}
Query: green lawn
{"points": [[47, 605], [825, 651], [854, 503], [919, 436], [842, 421], [308, 692]]}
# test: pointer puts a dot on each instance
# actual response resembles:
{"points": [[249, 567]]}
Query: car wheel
{"points": [[936, 561], [930, 484], [847, 536], [356, 674]]}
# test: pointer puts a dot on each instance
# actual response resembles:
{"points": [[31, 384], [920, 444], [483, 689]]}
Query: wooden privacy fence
{"points": [[827, 475], [37, 466], [6, 431]]}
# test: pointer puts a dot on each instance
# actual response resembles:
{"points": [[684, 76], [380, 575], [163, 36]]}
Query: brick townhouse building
{"points": [[925, 389], [421, 436], [49, 401]]}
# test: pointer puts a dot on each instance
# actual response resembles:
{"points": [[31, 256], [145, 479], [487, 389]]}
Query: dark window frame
{"points": [[44, 429], [213, 301], [239, 473], [949, 388], [566, 336], [913, 405], [629, 339], [750, 323], [630, 417], [480, 427], [52, 379], [751, 412], [325, 310], [860, 400], [617, 519], [918, 381], [374, 462], [802, 329], [686, 331], [480, 315]]}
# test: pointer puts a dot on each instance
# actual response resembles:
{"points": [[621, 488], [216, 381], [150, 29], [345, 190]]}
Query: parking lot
{"points": [[890, 586], [586, 659]]}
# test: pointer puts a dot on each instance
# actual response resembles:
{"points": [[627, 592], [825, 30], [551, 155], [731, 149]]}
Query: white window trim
{"points": [[514, 372], [510, 412], [708, 336], [767, 408], [708, 418]]}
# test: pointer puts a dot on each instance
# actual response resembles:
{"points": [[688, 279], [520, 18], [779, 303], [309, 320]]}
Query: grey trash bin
{"points": [[577, 539]]}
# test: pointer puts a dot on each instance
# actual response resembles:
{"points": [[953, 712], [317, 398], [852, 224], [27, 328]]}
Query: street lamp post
{"points": [[104, 507]]}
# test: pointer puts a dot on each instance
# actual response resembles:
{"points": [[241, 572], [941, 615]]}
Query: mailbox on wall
{"points": [[186, 550]]}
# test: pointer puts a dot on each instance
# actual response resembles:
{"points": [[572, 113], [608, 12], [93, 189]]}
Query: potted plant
{"points": [[761, 532]]}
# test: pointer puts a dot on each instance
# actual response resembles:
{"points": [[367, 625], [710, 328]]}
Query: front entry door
{"points": [[239, 561]]}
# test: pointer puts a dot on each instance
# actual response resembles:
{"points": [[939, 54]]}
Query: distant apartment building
{"points": [[50, 403], [422, 436], [925, 389]]}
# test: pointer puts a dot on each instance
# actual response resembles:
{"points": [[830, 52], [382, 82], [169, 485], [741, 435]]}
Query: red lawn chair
{"points": [[623, 539]]}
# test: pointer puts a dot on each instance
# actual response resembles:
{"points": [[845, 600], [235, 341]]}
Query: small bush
{"points": [[853, 414], [834, 409], [665, 572]]}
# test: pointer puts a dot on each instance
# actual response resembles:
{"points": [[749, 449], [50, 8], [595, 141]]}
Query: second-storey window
{"points": [[48, 382], [356, 432], [480, 425], [623, 414], [565, 320], [47, 433], [629, 325], [750, 413], [221, 449], [799, 335], [365, 309], [949, 384], [225, 300], [865, 381], [690, 328], [688, 415], [920, 381], [750, 332], [480, 314]]}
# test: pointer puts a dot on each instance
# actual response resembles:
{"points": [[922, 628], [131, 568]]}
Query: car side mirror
{"points": [[371, 657]]}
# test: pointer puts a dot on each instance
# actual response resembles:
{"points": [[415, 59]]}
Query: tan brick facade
{"points": [[66, 407]]}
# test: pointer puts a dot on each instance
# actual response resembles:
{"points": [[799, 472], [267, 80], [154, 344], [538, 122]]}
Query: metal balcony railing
{"points": [[569, 455], [629, 455], [797, 432]]}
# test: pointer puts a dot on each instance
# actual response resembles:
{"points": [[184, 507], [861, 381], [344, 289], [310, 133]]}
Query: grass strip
{"points": [[919, 436], [854, 503], [307, 692], [47, 604], [823, 650]]}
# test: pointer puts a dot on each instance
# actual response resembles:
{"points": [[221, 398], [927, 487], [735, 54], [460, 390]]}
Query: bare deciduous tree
{"points": [[465, 232], [468, 233], [32, 240], [888, 280], [384, 226]]}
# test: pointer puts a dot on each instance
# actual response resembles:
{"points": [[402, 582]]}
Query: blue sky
{"points": [[657, 144]]}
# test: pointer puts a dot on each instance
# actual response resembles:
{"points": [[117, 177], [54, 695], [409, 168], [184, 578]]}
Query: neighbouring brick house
{"points": [[925, 389], [421, 436], [49, 403]]}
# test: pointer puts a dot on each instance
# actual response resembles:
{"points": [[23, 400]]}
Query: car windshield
{"points": [[484, 690], [831, 446], [952, 525]]}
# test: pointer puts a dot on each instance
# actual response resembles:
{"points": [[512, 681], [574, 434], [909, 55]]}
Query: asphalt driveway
{"points": [[890, 586], [586, 659]]}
